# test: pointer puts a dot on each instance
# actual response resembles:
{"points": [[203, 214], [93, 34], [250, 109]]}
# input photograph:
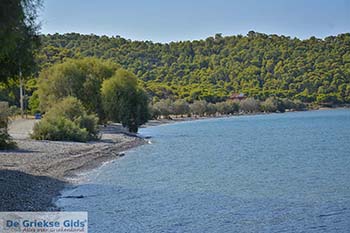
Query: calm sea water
{"points": [[266, 173]]}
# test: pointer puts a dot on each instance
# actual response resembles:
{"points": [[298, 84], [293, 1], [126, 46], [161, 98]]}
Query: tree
{"points": [[211, 109], [80, 78], [250, 105], [227, 107], [214, 68], [164, 107], [124, 100], [18, 37], [181, 107], [269, 105], [199, 107]]}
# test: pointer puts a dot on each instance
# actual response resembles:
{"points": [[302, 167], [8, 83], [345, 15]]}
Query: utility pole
{"points": [[21, 92]]}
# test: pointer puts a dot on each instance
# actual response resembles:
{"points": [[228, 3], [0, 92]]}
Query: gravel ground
{"points": [[32, 176]]}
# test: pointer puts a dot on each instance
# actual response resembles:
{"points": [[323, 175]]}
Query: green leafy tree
{"points": [[124, 100], [80, 78], [18, 37]]}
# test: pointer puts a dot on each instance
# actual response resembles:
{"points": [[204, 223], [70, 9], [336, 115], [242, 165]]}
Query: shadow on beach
{"points": [[20, 191]]}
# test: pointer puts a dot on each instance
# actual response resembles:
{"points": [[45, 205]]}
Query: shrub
{"points": [[154, 113], [5, 139], [227, 107], [270, 105], [211, 109], [198, 107], [250, 105], [59, 129], [273, 104], [34, 103], [164, 107], [298, 105], [67, 121], [181, 107]]}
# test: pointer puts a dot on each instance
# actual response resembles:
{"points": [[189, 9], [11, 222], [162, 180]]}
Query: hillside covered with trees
{"points": [[259, 65]]}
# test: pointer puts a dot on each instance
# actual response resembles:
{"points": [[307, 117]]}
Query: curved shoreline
{"points": [[33, 176]]}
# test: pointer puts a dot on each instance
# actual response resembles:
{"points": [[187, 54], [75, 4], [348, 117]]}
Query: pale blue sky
{"points": [[165, 20]]}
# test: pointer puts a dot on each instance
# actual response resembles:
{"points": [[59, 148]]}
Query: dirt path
{"points": [[21, 128]]}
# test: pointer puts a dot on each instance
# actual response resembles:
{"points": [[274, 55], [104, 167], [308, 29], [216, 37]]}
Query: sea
{"points": [[268, 173]]}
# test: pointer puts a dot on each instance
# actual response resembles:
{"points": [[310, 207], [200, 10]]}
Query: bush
{"points": [[67, 121], [34, 103], [59, 129], [199, 107], [250, 105], [5, 139], [164, 108], [154, 113], [181, 107], [298, 105], [211, 109], [13, 111], [227, 107], [270, 105]]}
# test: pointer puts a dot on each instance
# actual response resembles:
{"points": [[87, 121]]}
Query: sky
{"points": [[176, 20]]}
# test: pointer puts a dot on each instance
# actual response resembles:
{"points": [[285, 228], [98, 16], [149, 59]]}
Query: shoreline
{"points": [[33, 176], [164, 121]]}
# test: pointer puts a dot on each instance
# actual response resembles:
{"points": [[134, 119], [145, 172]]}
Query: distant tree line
{"points": [[166, 108], [259, 65]]}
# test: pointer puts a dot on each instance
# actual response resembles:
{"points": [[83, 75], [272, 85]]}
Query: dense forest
{"points": [[259, 65]]}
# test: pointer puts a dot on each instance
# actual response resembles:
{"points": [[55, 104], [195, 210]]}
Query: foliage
{"points": [[199, 107], [18, 37], [181, 107], [124, 100], [164, 107], [270, 105], [227, 107], [211, 109], [258, 65], [80, 78], [250, 105], [5, 139], [34, 103], [67, 121]]}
